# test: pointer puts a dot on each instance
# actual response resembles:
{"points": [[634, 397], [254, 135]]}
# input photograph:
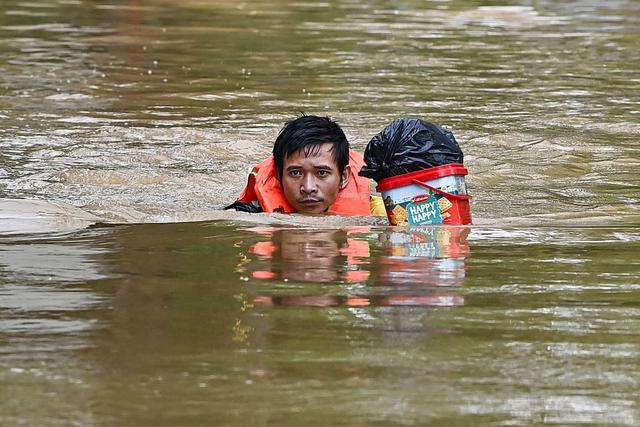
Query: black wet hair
{"points": [[308, 133]]}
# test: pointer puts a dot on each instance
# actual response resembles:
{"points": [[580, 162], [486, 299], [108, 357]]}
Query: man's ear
{"points": [[346, 176]]}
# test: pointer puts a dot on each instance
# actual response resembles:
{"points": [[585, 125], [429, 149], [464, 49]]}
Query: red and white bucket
{"points": [[435, 195]]}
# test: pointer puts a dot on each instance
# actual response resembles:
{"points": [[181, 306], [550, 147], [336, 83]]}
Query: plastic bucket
{"points": [[430, 196]]}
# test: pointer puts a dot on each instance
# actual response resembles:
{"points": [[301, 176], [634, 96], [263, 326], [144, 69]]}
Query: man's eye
{"points": [[295, 173], [323, 173]]}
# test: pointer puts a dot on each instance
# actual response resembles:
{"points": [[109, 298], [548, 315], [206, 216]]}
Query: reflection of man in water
{"points": [[312, 256], [334, 256], [309, 255]]}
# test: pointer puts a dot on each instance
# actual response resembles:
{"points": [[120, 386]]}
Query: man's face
{"points": [[311, 183]]}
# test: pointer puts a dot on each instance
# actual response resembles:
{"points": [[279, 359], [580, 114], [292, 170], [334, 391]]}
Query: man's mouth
{"points": [[309, 201]]}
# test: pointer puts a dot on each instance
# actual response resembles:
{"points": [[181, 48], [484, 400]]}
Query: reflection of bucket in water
{"points": [[429, 272], [429, 242], [431, 256], [430, 196]]}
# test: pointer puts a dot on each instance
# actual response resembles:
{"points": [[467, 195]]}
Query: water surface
{"points": [[188, 324], [147, 110], [124, 121]]}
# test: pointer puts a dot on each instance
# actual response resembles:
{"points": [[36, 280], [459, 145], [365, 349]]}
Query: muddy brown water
{"points": [[128, 298]]}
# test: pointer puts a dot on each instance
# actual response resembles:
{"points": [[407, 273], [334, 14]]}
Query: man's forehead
{"points": [[318, 154]]}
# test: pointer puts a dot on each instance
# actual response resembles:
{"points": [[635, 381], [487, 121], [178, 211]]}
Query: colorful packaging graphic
{"points": [[424, 210], [432, 196]]}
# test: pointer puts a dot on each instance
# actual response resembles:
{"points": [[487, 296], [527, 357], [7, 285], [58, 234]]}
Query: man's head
{"points": [[311, 157]]}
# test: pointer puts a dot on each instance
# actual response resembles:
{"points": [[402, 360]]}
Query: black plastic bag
{"points": [[409, 145]]}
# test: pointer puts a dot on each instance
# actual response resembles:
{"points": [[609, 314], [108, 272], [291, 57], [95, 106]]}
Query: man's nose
{"points": [[308, 184]]}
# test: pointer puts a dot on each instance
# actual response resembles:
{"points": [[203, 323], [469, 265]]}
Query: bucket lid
{"points": [[421, 175]]}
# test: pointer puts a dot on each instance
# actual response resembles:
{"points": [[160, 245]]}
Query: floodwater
{"points": [[128, 298]]}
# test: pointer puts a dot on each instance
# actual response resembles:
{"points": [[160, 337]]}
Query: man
{"points": [[312, 171]]}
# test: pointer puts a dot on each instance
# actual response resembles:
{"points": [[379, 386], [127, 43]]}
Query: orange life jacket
{"points": [[264, 187]]}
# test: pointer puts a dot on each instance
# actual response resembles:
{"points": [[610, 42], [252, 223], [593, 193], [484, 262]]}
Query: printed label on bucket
{"points": [[453, 206], [424, 210]]}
